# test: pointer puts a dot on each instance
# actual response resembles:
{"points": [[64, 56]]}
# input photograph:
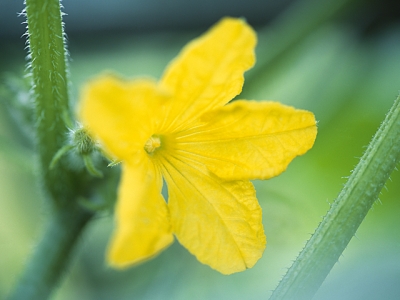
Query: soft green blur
{"points": [[348, 82]]}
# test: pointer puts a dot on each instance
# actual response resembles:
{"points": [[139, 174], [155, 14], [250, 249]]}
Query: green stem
{"points": [[346, 214], [63, 186], [52, 254], [50, 92]]}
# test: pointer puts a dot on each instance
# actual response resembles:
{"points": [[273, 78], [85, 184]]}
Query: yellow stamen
{"points": [[152, 144]]}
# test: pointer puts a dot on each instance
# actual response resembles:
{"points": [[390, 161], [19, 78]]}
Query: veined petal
{"points": [[217, 221], [208, 72], [122, 114], [249, 139], [142, 219]]}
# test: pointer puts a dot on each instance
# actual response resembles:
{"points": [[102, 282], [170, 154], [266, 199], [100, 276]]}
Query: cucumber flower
{"points": [[184, 130]]}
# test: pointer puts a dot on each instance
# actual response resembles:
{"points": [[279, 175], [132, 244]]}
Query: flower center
{"points": [[152, 144]]}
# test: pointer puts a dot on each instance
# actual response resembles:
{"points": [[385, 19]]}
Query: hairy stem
{"points": [[346, 214], [62, 185], [50, 93]]}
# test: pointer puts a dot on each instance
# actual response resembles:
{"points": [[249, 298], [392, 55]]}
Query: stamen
{"points": [[152, 144]]}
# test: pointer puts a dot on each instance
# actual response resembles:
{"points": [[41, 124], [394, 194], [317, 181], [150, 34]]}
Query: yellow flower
{"points": [[181, 129]]}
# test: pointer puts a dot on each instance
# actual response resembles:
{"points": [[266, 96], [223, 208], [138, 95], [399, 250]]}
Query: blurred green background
{"points": [[343, 65]]}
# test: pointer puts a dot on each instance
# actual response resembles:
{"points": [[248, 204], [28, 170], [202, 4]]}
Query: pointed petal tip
{"points": [[208, 72]]}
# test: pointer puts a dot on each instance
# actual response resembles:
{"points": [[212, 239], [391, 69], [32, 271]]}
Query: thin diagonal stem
{"points": [[287, 30], [346, 214]]}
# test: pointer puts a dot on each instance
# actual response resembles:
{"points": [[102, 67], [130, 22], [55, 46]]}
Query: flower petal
{"points": [[249, 139], [122, 114], [142, 220], [208, 72], [219, 222]]}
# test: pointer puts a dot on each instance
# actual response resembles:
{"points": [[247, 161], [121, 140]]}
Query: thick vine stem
{"points": [[52, 254], [346, 214], [63, 186], [50, 94]]}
